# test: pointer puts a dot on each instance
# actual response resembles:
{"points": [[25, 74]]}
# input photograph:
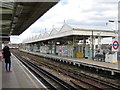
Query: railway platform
{"points": [[20, 77], [105, 66]]}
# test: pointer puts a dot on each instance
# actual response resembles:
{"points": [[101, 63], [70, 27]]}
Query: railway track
{"points": [[50, 80], [81, 80], [77, 75]]}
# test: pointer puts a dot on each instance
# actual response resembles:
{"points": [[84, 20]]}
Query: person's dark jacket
{"points": [[7, 55]]}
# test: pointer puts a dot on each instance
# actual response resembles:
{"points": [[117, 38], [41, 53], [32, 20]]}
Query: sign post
{"points": [[115, 45], [115, 48]]}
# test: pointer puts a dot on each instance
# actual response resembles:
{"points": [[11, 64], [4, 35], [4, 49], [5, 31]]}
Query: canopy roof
{"points": [[67, 32], [18, 16]]}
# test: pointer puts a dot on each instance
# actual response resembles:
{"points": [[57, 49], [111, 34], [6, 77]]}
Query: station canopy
{"points": [[68, 31], [16, 17]]}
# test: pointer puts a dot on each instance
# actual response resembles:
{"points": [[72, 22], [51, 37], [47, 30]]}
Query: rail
{"points": [[37, 70]]}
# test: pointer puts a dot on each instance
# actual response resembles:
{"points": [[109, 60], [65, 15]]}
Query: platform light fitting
{"points": [[111, 21], [19, 10], [13, 25], [15, 19]]}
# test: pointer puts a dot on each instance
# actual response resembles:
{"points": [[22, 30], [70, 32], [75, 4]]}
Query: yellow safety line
{"points": [[92, 63], [28, 76]]}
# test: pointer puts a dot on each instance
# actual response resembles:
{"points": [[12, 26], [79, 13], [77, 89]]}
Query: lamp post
{"points": [[116, 28]]}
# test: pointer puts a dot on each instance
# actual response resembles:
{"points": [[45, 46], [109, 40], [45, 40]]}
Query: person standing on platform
{"points": [[104, 55], [7, 55]]}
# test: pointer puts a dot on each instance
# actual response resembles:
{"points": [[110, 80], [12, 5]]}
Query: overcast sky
{"points": [[82, 12]]}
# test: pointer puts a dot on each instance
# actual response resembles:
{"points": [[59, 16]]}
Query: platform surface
{"points": [[82, 60], [20, 77]]}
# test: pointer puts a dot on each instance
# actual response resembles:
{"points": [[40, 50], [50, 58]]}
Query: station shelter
{"points": [[75, 41]]}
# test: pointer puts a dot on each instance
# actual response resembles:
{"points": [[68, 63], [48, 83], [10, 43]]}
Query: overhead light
{"points": [[13, 25], [19, 9], [111, 21], [57, 42], [15, 19], [12, 29]]}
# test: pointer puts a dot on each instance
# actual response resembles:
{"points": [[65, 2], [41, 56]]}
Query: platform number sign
{"points": [[115, 45]]}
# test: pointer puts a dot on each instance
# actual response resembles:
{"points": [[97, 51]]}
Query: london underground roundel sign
{"points": [[115, 45]]}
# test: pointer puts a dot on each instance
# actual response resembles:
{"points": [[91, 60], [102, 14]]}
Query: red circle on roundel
{"points": [[115, 44]]}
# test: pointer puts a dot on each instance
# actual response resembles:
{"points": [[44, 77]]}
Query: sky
{"points": [[82, 12]]}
